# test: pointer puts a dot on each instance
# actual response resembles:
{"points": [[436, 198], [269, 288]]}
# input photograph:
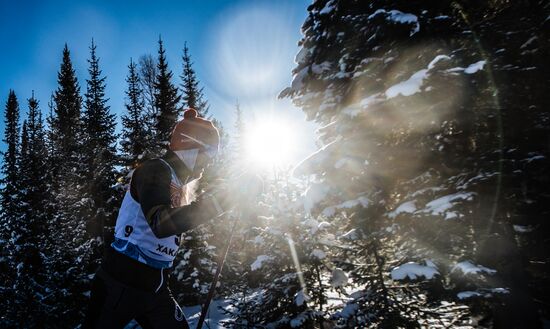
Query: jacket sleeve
{"points": [[150, 186]]}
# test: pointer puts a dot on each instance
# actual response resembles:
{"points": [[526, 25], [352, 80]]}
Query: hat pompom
{"points": [[190, 114]]}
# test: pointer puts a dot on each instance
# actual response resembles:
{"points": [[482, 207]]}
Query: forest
{"points": [[422, 207]]}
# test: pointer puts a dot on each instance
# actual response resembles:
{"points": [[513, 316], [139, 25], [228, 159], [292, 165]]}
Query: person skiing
{"points": [[132, 281]]}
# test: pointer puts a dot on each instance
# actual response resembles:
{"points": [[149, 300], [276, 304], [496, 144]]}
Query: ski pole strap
{"points": [[212, 290]]}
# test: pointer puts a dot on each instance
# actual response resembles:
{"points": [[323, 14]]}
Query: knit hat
{"points": [[194, 133]]}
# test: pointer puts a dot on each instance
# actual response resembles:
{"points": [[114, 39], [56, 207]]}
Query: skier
{"points": [[132, 281]]}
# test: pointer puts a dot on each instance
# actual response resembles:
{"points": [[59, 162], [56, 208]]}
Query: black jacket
{"points": [[150, 187]]}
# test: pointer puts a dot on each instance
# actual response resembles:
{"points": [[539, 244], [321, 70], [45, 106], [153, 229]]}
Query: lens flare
{"points": [[251, 52], [269, 144], [297, 264]]}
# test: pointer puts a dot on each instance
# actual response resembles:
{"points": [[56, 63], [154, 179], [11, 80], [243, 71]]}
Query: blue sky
{"points": [[242, 49]]}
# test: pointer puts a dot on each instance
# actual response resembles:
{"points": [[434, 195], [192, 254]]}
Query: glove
{"points": [[215, 198], [242, 191]]}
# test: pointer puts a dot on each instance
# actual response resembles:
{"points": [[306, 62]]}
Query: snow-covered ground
{"points": [[193, 313]]}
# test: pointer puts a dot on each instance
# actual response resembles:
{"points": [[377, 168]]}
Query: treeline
{"points": [[64, 177]]}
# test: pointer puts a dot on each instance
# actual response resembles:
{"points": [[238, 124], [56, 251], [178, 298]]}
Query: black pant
{"points": [[114, 305]]}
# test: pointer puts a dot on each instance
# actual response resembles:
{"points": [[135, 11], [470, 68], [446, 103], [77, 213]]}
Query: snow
{"points": [[533, 158], [468, 267], [259, 240], [259, 262], [501, 290], [348, 311], [360, 201], [414, 271], [350, 235], [424, 190], [408, 87], [323, 225], [407, 207], [392, 229], [451, 215], [214, 318], [339, 278], [330, 240], [309, 165], [369, 100], [482, 293], [301, 55], [298, 80], [314, 194], [413, 84], [315, 226], [399, 17], [468, 294], [320, 68], [443, 204], [215, 314], [327, 9], [355, 109], [318, 254], [437, 59], [482, 176], [363, 201], [301, 297], [528, 42], [473, 68], [523, 228], [311, 223]]}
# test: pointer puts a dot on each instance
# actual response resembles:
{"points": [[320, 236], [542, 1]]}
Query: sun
{"points": [[269, 144]]}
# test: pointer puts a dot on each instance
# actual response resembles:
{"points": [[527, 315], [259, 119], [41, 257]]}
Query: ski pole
{"points": [[216, 276]]}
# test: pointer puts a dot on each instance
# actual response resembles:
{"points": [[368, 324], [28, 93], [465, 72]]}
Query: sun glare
{"points": [[269, 144]]}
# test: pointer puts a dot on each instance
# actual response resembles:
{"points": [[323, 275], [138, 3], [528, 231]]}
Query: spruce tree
{"points": [[9, 206], [147, 72], [239, 146], [407, 170], [8, 192], [31, 232], [71, 253], [134, 131], [277, 284], [99, 150], [193, 96], [166, 100]]}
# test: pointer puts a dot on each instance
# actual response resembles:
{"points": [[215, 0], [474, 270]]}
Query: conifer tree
{"points": [[193, 96], [147, 72], [277, 254], [166, 100], [376, 76], [70, 258], [8, 204], [238, 137], [134, 134], [99, 150], [67, 107], [31, 229]]}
